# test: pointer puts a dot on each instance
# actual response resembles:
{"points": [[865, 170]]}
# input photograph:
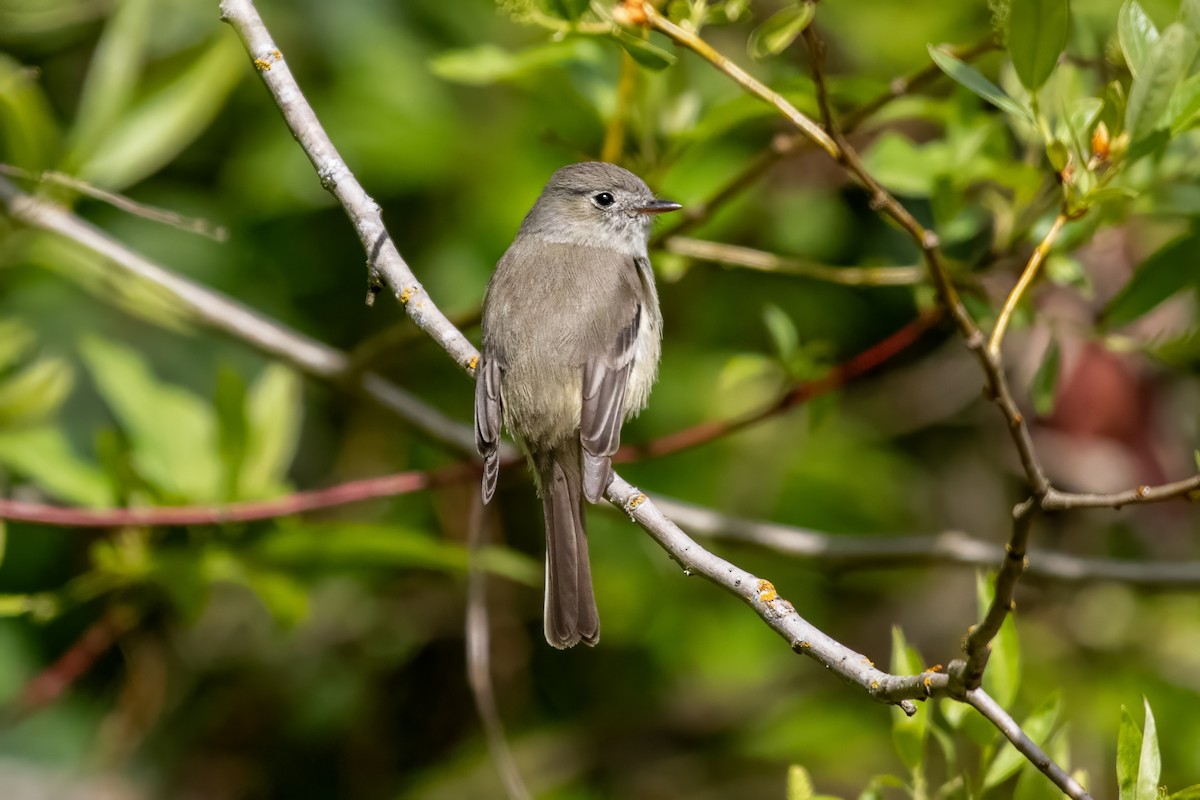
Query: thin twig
{"points": [[770, 262], [1189, 489], [50, 684], [201, 227], [221, 313], [479, 655], [840, 375], [751, 84], [295, 503], [1027, 275], [979, 637], [614, 134], [786, 145], [953, 548], [989, 708]]}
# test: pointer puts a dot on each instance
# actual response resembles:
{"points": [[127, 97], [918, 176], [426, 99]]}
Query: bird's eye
{"points": [[604, 199]]}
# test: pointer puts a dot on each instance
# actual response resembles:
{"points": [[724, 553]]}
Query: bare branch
{"points": [[200, 227], [342, 494], [979, 637], [221, 313], [989, 708], [50, 684], [785, 145], [384, 259], [479, 656], [953, 548], [1188, 489], [779, 614], [770, 262]]}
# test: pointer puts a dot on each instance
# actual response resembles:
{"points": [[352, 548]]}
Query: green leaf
{"points": [[1129, 753], [29, 134], [1151, 92], [972, 79], [1045, 380], [1185, 105], [782, 331], [1169, 270], [1037, 33], [780, 29], [1189, 15], [173, 432], [487, 64], [643, 52], [274, 407], [1150, 761], [341, 546], [570, 10], [1136, 33], [230, 405], [908, 733], [113, 73], [1008, 759], [1190, 793], [1058, 155], [43, 455], [16, 340], [35, 392], [799, 784], [156, 129], [1003, 676]]}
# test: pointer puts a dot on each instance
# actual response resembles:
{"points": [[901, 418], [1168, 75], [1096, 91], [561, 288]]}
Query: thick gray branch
{"points": [[384, 259]]}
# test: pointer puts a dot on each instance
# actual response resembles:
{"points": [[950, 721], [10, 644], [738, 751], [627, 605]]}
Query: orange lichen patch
{"points": [[473, 363], [407, 294], [766, 592], [935, 668], [630, 12], [928, 682], [1142, 491], [636, 501], [874, 684], [262, 65], [868, 662]]}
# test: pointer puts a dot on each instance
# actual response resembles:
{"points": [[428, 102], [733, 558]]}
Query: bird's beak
{"points": [[659, 207]]}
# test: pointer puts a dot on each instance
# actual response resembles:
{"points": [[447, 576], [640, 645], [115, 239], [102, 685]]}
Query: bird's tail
{"points": [[570, 614]]}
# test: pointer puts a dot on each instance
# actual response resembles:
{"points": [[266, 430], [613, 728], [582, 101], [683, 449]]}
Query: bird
{"points": [[572, 335]]}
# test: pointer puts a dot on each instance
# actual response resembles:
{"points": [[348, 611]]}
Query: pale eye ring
{"points": [[604, 199]]}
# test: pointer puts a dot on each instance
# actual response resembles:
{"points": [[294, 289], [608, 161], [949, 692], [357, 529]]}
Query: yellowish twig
{"points": [[614, 134], [702, 48], [770, 262], [1031, 270]]}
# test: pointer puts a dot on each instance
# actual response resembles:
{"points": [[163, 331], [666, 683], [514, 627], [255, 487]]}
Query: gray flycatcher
{"points": [[571, 339]]}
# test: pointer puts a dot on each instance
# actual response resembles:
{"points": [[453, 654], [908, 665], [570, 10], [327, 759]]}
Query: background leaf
{"points": [[1169, 270], [172, 431], [1037, 33], [1162, 70], [1136, 33], [780, 29], [972, 79]]}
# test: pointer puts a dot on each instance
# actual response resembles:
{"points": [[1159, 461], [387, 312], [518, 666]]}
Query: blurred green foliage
{"points": [[323, 657]]}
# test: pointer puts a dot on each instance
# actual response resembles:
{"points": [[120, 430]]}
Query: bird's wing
{"points": [[604, 380], [487, 420]]}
